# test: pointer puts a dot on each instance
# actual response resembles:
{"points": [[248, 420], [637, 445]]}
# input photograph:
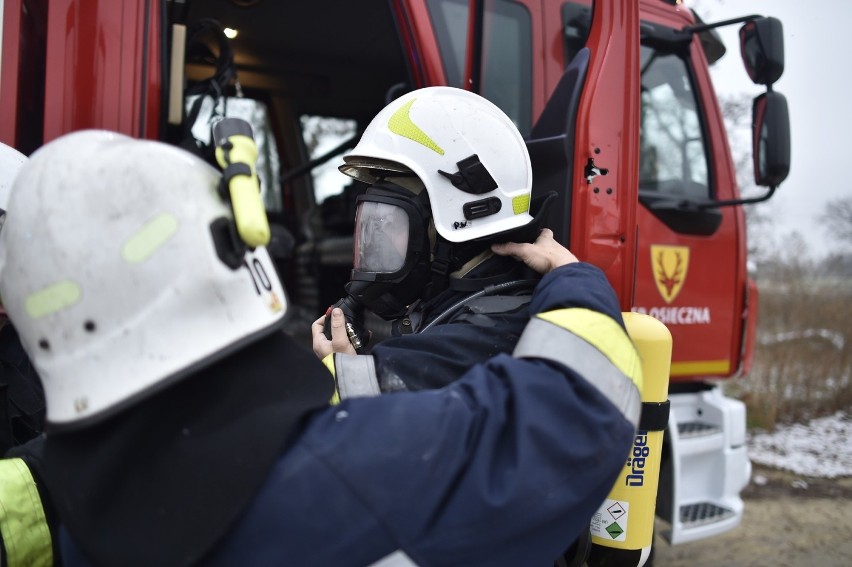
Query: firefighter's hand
{"points": [[339, 341], [544, 255]]}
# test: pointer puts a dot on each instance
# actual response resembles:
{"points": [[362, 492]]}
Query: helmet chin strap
{"points": [[472, 263]]}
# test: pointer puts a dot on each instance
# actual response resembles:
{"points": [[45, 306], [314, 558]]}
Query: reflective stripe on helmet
{"points": [[593, 345], [356, 376], [23, 525], [400, 123], [521, 204]]}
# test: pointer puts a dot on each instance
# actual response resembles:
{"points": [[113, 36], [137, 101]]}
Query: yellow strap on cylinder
{"points": [[23, 525]]}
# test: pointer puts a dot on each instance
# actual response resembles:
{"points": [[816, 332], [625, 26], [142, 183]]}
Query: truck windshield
{"points": [[507, 53], [673, 158]]}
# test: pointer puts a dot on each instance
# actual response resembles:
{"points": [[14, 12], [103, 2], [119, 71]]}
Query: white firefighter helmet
{"points": [[112, 271], [466, 151], [11, 161]]}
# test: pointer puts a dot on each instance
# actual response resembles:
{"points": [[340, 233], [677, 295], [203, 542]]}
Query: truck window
{"points": [[673, 158], [507, 53], [322, 134]]}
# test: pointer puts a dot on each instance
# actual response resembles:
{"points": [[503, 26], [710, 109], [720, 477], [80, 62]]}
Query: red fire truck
{"points": [[614, 98]]}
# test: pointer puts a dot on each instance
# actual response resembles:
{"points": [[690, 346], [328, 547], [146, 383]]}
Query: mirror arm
{"points": [[704, 27], [732, 202]]}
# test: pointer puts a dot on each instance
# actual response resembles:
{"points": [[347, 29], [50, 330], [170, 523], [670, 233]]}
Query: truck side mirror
{"points": [[770, 139], [762, 47]]}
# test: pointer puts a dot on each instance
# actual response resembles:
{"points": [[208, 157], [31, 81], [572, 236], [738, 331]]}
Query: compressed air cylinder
{"points": [[623, 527]]}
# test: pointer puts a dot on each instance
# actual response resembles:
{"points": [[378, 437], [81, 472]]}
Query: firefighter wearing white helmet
{"points": [[448, 163], [168, 232], [449, 174], [184, 429]]}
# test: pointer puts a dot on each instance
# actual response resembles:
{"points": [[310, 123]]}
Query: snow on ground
{"points": [[821, 448]]}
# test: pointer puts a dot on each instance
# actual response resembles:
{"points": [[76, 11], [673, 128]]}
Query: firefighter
{"points": [[185, 428], [21, 397], [450, 184], [449, 176]]}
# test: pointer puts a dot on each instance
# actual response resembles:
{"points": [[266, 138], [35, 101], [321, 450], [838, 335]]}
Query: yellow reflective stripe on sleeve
{"points": [[556, 341], [604, 333], [328, 361], [23, 525]]}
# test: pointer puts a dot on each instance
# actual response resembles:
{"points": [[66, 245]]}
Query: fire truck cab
{"points": [[614, 98]]}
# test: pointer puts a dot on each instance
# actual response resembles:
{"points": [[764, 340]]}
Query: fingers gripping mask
{"points": [[391, 249]]}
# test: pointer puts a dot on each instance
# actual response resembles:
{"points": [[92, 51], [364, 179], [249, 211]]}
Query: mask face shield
{"points": [[381, 237], [390, 234], [391, 249]]}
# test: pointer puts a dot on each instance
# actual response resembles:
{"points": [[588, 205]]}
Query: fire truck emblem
{"points": [[669, 264]]}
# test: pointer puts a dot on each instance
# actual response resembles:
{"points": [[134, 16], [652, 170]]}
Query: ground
{"points": [[790, 520]]}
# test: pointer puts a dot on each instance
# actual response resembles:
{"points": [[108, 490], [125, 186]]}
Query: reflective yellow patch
{"points": [[149, 238], [401, 123], [53, 298], [23, 524], [701, 367], [602, 332], [328, 361], [521, 204]]}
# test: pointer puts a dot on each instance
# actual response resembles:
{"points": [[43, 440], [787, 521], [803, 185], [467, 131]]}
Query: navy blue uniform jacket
{"points": [[502, 467]]}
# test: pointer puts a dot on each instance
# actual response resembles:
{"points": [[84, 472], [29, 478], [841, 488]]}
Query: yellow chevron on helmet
{"points": [[401, 123]]}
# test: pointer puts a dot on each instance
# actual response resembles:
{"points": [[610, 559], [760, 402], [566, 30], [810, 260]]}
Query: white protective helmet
{"points": [[120, 271], [466, 151]]}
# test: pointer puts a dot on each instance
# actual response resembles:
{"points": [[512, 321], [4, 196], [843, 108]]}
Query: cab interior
{"points": [[321, 70]]}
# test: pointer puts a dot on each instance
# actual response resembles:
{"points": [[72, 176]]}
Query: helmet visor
{"points": [[381, 237]]}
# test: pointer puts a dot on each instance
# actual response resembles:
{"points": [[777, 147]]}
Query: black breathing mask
{"points": [[391, 253]]}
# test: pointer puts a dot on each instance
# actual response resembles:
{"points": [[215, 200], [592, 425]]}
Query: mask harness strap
{"points": [[441, 267]]}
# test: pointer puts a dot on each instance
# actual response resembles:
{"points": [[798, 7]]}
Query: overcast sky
{"points": [[816, 82]]}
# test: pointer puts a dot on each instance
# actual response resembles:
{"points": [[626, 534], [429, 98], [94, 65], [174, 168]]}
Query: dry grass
{"points": [[803, 362]]}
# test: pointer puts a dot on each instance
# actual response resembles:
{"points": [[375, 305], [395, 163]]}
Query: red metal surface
{"points": [[9, 71], [603, 224], [424, 54], [407, 35], [706, 316], [103, 67], [22, 73]]}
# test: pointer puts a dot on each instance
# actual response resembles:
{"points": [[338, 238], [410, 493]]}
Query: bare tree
{"points": [[837, 219]]}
